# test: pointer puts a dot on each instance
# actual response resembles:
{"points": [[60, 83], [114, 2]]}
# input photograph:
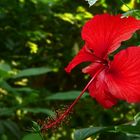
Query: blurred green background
{"points": [[38, 38]]}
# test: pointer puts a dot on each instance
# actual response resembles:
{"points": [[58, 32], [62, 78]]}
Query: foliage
{"points": [[38, 38], [91, 2], [131, 130]]}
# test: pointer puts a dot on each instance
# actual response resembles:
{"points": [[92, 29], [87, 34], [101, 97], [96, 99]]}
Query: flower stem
{"points": [[62, 117]]}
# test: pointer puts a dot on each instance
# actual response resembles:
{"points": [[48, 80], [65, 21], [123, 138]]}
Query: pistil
{"points": [[63, 116]]}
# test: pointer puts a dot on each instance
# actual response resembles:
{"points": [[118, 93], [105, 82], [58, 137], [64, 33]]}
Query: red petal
{"points": [[99, 91], [82, 56], [105, 32], [123, 77], [92, 68]]}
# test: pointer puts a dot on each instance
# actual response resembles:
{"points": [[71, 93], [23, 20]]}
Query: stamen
{"points": [[63, 116]]}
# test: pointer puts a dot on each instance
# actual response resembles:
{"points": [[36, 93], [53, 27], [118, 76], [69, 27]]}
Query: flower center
{"points": [[97, 59], [105, 62]]}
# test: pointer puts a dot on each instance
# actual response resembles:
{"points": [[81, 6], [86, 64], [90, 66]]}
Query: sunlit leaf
{"points": [[69, 17], [33, 47]]}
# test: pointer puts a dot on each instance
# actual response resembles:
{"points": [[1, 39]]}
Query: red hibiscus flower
{"points": [[111, 80], [117, 79]]}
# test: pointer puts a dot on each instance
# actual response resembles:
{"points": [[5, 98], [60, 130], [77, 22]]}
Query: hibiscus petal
{"points": [[99, 90], [123, 76], [105, 32], [82, 56], [92, 68]]}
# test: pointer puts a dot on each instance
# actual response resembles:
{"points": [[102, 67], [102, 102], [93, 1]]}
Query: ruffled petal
{"points": [[82, 56], [99, 91], [123, 76], [105, 32]]}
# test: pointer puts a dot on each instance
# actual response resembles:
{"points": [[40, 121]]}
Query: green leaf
{"points": [[69, 95], [128, 129], [131, 129], [91, 2], [32, 136], [12, 127], [7, 111], [4, 74], [82, 134], [6, 86], [4, 70], [32, 72], [39, 110], [25, 89], [5, 67], [36, 127], [1, 128], [131, 13], [137, 119]]}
